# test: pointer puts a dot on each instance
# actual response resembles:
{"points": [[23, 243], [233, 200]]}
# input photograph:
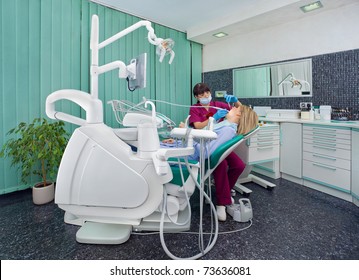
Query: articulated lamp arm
{"points": [[90, 103], [163, 47]]}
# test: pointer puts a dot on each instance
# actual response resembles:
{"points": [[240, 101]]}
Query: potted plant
{"points": [[37, 148]]}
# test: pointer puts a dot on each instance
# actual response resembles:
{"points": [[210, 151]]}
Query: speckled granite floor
{"points": [[291, 222]]}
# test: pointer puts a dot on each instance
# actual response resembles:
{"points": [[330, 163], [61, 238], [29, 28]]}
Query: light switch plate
{"points": [[220, 93]]}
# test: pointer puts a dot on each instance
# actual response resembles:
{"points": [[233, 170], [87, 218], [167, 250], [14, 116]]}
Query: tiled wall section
{"points": [[335, 83]]}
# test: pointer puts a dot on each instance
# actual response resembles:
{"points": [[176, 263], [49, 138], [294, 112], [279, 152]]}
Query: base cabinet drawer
{"points": [[329, 176], [261, 154], [327, 151], [328, 132], [327, 160]]}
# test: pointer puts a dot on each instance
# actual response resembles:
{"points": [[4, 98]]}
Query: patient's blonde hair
{"points": [[248, 120]]}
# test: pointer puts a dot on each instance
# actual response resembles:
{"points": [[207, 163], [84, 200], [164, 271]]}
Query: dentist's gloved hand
{"points": [[230, 98], [220, 114]]}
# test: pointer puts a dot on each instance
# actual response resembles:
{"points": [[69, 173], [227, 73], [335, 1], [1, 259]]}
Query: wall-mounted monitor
{"points": [[138, 80]]}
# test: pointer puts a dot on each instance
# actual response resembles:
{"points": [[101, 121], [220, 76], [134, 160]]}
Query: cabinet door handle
{"points": [[325, 148], [265, 143], [325, 139], [264, 148], [266, 138], [325, 166], [319, 133], [325, 143], [265, 134], [315, 129], [325, 157]]}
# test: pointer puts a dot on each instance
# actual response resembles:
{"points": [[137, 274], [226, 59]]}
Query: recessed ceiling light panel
{"points": [[311, 7], [220, 34]]}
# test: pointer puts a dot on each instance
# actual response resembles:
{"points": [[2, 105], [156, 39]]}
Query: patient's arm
{"points": [[200, 125], [169, 141]]}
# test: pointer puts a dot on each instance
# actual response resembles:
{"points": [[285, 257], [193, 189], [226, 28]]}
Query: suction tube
{"points": [[203, 252], [213, 209]]}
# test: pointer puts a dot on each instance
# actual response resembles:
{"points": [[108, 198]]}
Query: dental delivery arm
{"points": [[162, 155]]}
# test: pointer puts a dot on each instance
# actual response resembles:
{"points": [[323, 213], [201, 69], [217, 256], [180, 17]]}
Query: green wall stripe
{"points": [[196, 64], [327, 185]]}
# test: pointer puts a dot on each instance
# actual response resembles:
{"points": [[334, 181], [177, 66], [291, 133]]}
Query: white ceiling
{"points": [[200, 19]]}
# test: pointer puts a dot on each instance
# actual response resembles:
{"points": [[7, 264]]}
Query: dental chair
{"points": [[111, 191], [108, 189]]}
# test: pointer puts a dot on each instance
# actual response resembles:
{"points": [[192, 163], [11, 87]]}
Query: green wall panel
{"points": [[44, 47], [196, 65]]}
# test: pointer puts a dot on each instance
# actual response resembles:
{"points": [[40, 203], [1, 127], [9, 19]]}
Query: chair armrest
{"points": [[164, 153]]}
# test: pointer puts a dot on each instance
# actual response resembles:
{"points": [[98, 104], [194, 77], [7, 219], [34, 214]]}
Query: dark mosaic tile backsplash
{"points": [[335, 82]]}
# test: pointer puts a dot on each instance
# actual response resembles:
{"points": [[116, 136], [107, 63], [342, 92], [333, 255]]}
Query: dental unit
{"points": [[105, 187]]}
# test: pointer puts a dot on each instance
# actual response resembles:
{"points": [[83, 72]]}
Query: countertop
{"points": [[351, 124]]}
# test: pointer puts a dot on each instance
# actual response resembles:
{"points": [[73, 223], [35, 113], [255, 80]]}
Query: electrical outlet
{"points": [[305, 106]]}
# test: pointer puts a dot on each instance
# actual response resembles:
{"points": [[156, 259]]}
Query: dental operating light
{"points": [[165, 48], [293, 81]]}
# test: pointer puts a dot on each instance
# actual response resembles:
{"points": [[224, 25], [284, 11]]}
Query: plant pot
{"points": [[41, 194]]}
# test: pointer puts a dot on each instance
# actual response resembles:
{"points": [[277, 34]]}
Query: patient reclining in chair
{"points": [[239, 120]]}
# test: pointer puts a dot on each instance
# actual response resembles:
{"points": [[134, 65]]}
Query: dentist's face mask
{"points": [[205, 98]]}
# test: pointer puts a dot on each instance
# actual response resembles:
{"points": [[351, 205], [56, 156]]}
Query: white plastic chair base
{"points": [[242, 189], [100, 233], [252, 178]]}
